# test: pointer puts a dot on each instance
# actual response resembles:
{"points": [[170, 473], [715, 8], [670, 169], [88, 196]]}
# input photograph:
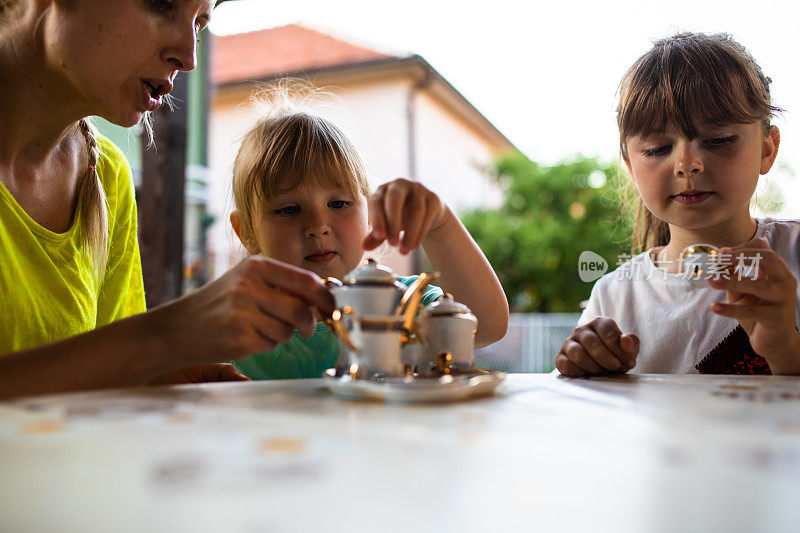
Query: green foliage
{"points": [[548, 217]]}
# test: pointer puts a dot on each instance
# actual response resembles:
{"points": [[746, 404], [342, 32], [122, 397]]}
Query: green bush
{"points": [[549, 215]]}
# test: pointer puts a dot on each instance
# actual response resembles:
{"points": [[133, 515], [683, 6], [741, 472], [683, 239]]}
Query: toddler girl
{"points": [[301, 196], [695, 134]]}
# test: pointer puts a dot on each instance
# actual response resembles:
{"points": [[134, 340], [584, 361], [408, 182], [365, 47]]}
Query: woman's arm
{"points": [[252, 308], [125, 353]]}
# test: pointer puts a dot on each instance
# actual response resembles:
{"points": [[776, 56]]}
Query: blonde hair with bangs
{"points": [[292, 145], [687, 81]]}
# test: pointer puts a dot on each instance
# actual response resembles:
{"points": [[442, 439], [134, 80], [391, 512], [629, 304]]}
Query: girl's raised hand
{"points": [[764, 304], [403, 212], [597, 347]]}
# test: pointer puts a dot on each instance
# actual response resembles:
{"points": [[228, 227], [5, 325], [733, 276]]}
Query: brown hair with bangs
{"points": [[291, 146], [687, 81]]}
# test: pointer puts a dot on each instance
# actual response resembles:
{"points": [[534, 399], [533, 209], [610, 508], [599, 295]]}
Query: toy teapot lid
{"points": [[370, 273], [446, 306]]}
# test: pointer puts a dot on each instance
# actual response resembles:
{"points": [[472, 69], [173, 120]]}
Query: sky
{"points": [[546, 74]]}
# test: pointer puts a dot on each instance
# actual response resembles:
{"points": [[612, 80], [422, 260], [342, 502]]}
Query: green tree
{"points": [[549, 215]]}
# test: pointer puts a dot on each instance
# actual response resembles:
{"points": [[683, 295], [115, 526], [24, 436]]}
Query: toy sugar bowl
{"points": [[448, 329]]}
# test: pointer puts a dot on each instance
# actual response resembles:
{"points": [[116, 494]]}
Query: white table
{"points": [[646, 453]]}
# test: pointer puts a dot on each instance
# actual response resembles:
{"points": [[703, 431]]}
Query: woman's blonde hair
{"points": [[91, 204], [289, 146], [686, 81]]}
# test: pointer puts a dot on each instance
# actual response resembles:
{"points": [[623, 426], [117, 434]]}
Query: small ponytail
{"points": [[91, 204]]}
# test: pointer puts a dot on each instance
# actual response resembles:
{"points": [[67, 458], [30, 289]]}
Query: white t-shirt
{"points": [[672, 318]]}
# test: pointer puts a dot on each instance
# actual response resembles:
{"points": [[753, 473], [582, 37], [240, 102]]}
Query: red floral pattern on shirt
{"points": [[734, 355]]}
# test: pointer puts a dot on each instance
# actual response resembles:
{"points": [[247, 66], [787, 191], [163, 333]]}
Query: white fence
{"points": [[531, 343]]}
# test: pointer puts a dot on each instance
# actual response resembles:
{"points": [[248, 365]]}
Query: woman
{"points": [[69, 259]]}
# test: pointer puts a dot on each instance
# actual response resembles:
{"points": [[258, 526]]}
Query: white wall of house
{"points": [[450, 155]]}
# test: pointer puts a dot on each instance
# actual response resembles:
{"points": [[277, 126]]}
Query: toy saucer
{"points": [[447, 388]]}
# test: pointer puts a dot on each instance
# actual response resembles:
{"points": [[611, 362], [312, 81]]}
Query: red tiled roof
{"points": [[291, 48]]}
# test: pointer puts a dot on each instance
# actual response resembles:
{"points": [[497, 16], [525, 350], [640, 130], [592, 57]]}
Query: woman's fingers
{"points": [[206, 373], [279, 313], [303, 285], [251, 308], [228, 372], [267, 301]]}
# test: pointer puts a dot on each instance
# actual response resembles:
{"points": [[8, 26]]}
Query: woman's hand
{"points": [[403, 206], [597, 347], [252, 308], [200, 374], [764, 304]]}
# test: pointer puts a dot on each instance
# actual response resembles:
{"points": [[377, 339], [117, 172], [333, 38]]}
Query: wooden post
{"points": [[161, 200]]}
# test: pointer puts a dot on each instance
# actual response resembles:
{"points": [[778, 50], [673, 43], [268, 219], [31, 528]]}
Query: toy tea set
{"points": [[392, 348]]}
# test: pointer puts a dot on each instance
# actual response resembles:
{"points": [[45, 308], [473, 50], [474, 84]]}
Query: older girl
{"points": [[695, 134]]}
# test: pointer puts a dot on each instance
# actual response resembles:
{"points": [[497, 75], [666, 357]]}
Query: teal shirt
{"points": [[308, 358]]}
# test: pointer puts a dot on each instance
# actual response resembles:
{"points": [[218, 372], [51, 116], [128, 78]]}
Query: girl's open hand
{"points": [[403, 212], [764, 304], [597, 347]]}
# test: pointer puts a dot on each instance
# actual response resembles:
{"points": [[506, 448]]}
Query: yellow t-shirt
{"points": [[48, 289]]}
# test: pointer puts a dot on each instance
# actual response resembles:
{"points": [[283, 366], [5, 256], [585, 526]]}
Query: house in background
{"points": [[403, 116]]}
